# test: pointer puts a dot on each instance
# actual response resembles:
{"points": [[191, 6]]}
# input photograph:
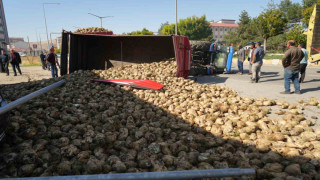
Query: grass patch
{"points": [[28, 65], [273, 57]]}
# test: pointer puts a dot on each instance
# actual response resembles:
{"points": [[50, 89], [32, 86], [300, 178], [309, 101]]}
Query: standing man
{"points": [[15, 61], [241, 58], [291, 63], [252, 48], [303, 63], [256, 62], [43, 61], [51, 60], [4, 58], [230, 56], [213, 51]]}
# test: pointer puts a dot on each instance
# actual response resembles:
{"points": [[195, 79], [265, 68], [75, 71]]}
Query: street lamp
{"points": [[176, 27], [45, 20], [100, 17]]}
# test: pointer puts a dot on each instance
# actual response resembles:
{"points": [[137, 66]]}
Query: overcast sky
{"points": [[25, 17]]}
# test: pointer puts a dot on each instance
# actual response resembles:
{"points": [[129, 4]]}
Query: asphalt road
{"points": [[270, 85]]}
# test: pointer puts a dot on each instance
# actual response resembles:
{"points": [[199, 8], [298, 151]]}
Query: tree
{"points": [[308, 3], [245, 33], [292, 11], [196, 28], [285, 5], [244, 18], [308, 6], [162, 26], [168, 29], [270, 23], [143, 32], [296, 35]]}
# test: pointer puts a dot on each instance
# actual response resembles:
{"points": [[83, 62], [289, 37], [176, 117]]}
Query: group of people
{"points": [[255, 58], [294, 61], [13, 58], [50, 62]]}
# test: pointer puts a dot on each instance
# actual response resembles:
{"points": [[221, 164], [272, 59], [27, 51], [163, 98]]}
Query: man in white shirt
{"points": [[252, 48]]}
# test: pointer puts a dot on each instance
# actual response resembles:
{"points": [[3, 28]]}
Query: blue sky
{"points": [[25, 17]]}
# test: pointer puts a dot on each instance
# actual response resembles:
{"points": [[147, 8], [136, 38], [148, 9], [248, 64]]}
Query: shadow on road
{"points": [[310, 89], [209, 79], [269, 74], [268, 80], [313, 80]]}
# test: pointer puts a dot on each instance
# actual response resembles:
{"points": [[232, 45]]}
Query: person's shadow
{"points": [[310, 89]]}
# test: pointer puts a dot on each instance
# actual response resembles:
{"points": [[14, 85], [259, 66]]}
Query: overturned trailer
{"points": [[97, 51]]}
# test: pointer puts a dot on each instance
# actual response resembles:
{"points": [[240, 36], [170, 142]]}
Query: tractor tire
{"points": [[200, 45]]}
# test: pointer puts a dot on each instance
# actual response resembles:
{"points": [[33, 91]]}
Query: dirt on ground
{"points": [[29, 73]]}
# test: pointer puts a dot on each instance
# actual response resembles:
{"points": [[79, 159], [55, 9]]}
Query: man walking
{"points": [[230, 56], [43, 61], [4, 58], [252, 48], [291, 63], [256, 62], [241, 58], [303, 63], [51, 59], [15, 61]]}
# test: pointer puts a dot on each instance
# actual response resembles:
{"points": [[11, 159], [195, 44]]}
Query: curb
{"points": [[274, 62]]}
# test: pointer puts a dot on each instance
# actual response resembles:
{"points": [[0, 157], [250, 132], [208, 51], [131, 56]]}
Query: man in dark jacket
{"points": [[43, 61], [4, 58], [15, 61], [51, 60], [291, 63]]}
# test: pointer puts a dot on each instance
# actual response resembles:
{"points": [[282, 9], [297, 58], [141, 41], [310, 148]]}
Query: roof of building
{"points": [[16, 38], [212, 24], [227, 20]]}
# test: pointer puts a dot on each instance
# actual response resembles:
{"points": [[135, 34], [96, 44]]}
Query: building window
{"points": [[221, 29], [216, 36], [220, 36], [216, 29], [225, 29]]}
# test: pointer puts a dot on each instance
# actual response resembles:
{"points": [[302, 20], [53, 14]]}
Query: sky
{"points": [[25, 18]]}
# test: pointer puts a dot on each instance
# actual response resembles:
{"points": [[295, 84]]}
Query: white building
{"points": [[222, 27]]}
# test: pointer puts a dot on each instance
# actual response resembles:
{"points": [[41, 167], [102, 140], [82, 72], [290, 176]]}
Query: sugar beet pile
{"points": [[88, 128]]}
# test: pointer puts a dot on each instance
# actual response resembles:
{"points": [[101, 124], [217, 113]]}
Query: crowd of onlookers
{"points": [[49, 62], [294, 61]]}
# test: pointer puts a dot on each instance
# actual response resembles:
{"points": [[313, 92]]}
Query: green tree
{"points": [[162, 26], [144, 31], [308, 6], [269, 24], [292, 11], [308, 3], [277, 42], [296, 35], [196, 28], [168, 29], [245, 33]]}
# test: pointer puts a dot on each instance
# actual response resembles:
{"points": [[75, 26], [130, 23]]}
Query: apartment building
{"points": [[222, 27]]}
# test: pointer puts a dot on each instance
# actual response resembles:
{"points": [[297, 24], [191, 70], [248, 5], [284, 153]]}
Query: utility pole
{"points": [[45, 21], [176, 27], [100, 17]]}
